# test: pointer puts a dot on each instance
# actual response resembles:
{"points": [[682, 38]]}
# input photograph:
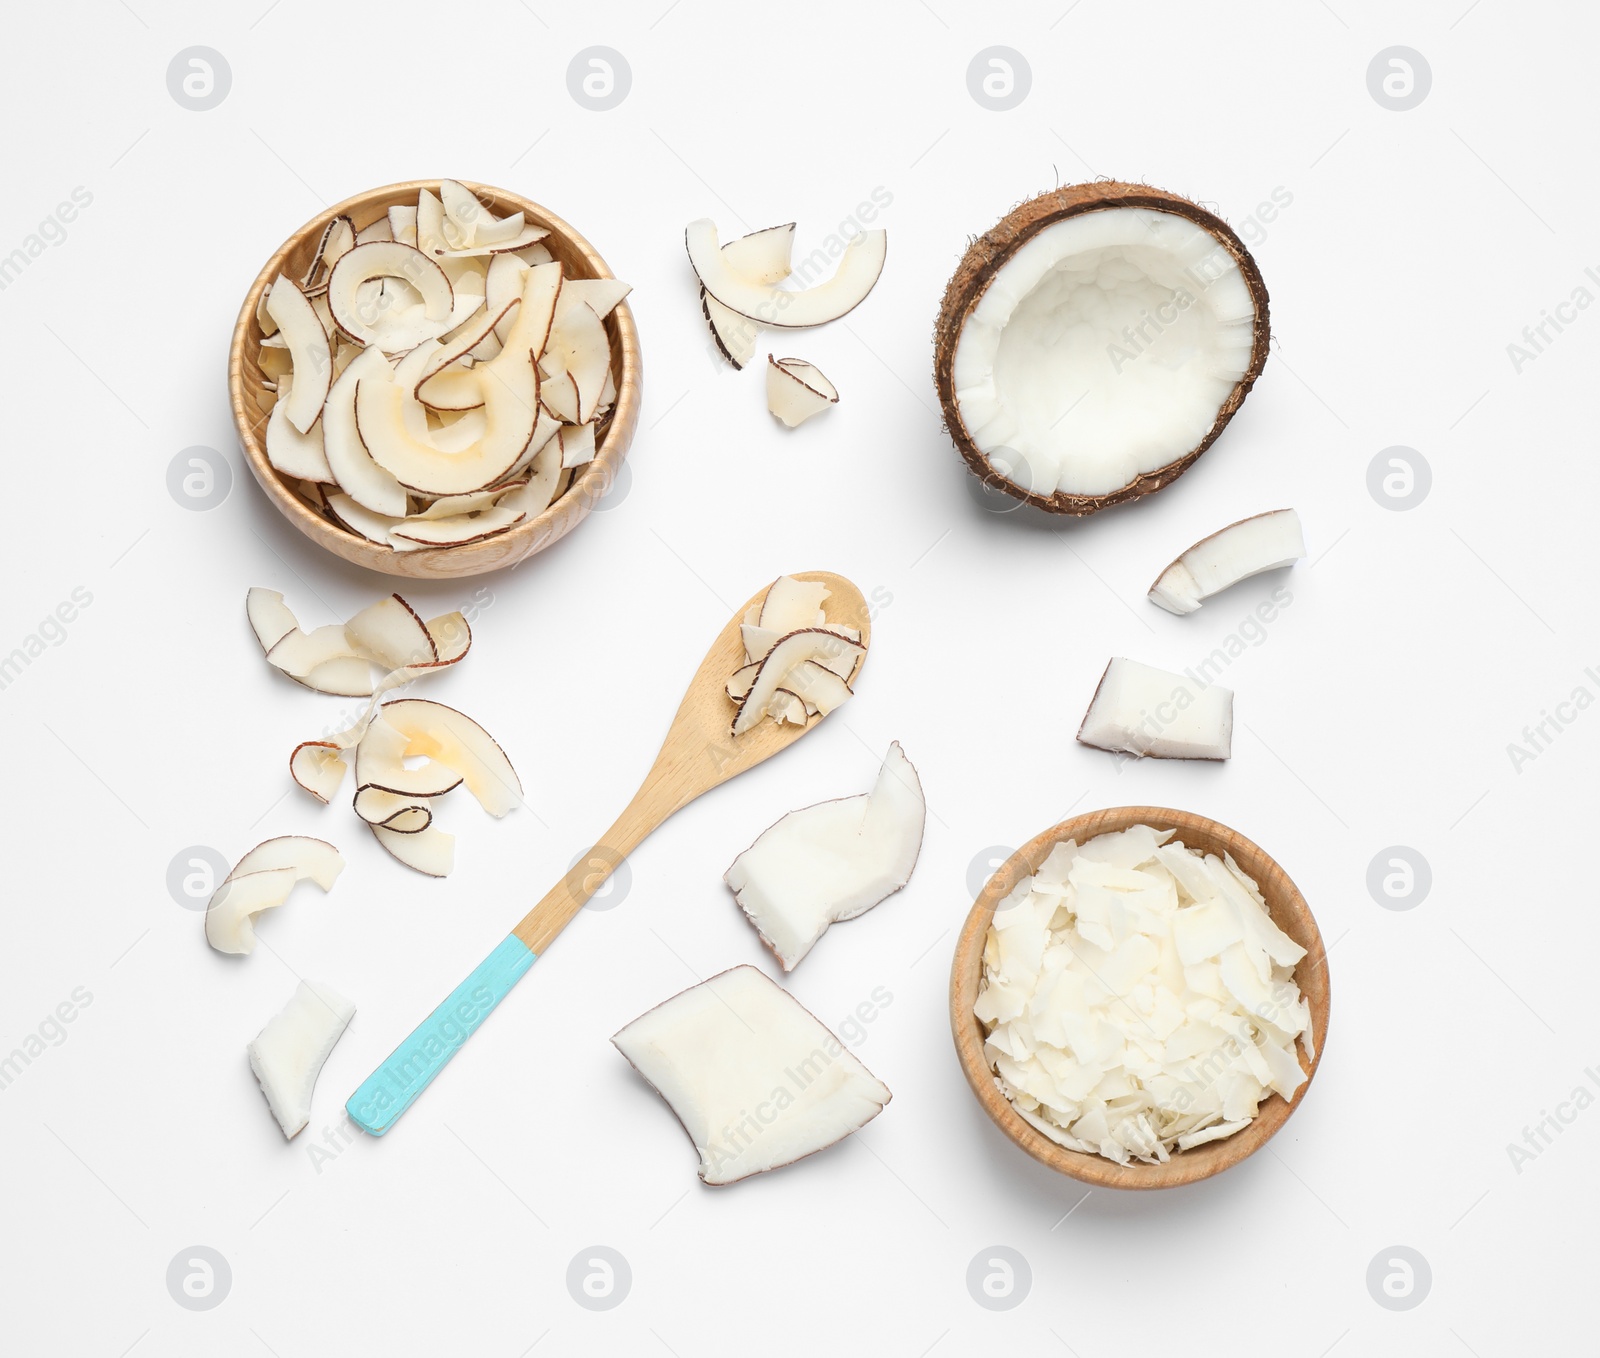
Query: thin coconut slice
{"points": [[270, 618], [791, 604], [453, 739], [262, 880], [361, 520], [1263, 542], [431, 852], [378, 230], [510, 389], [381, 756], [454, 388], [403, 224], [363, 480], [781, 308], [456, 529], [392, 634], [288, 1054], [463, 342], [313, 860], [577, 445], [386, 259], [797, 390], [735, 335], [754, 1079], [291, 452], [396, 811], [810, 643], [307, 343], [1140, 710], [600, 295], [524, 238], [1095, 343], [762, 257], [831, 862], [579, 348], [318, 766], [337, 241], [819, 688]]}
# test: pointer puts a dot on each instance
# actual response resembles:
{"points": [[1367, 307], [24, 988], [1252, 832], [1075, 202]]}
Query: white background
{"points": [[1376, 712]]}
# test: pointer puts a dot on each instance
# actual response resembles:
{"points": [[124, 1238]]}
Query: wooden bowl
{"points": [[1289, 911], [245, 387]]}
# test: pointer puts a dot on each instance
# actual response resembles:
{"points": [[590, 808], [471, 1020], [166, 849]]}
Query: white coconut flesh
{"points": [[262, 880], [405, 371], [1144, 711], [288, 1054], [1264, 542], [1103, 349], [1138, 999], [831, 862], [754, 1079]]}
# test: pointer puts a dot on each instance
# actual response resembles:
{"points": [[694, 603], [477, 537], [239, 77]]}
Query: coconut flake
{"points": [[1123, 1003]]}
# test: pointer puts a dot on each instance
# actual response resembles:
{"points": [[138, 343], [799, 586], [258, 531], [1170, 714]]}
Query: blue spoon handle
{"points": [[394, 1086]]}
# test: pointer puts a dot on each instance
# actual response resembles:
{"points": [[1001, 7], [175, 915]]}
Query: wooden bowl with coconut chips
{"points": [[252, 399], [1288, 910]]}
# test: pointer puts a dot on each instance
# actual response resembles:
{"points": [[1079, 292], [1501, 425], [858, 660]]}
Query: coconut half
{"points": [[1263, 542], [832, 861], [1093, 344], [753, 1077]]}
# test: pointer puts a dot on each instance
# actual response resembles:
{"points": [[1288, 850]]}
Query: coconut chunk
{"points": [[755, 1080], [797, 390], [1140, 710], [307, 342], [831, 862], [1263, 542], [261, 881], [288, 1054], [782, 308]]}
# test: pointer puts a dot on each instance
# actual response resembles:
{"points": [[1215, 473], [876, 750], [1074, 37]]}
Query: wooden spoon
{"points": [[700, 753]]}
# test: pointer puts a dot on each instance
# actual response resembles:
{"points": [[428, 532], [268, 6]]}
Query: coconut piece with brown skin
{"points": [[1263, 542], [1141, 710], [1093, 344]]}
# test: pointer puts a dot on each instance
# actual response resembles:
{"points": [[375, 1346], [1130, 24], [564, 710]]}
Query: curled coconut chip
{"points": [[831, 862], [1140, 710], [797, 390], [798, 664], [755, 1079], [288, 1054], [465, 302], [775, 307], [1138, 998], [262, 880], [1263, 542]]}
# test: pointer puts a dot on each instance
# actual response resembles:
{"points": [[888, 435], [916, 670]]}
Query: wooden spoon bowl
{"points": [[1289, 911], [252, 401]]}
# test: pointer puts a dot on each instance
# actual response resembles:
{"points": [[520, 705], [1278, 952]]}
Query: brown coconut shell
{"points": [[984, 258]]}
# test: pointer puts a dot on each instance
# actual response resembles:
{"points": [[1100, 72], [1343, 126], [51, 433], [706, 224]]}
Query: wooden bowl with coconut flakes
{"points": [[578, 488], [1287, 910]]}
